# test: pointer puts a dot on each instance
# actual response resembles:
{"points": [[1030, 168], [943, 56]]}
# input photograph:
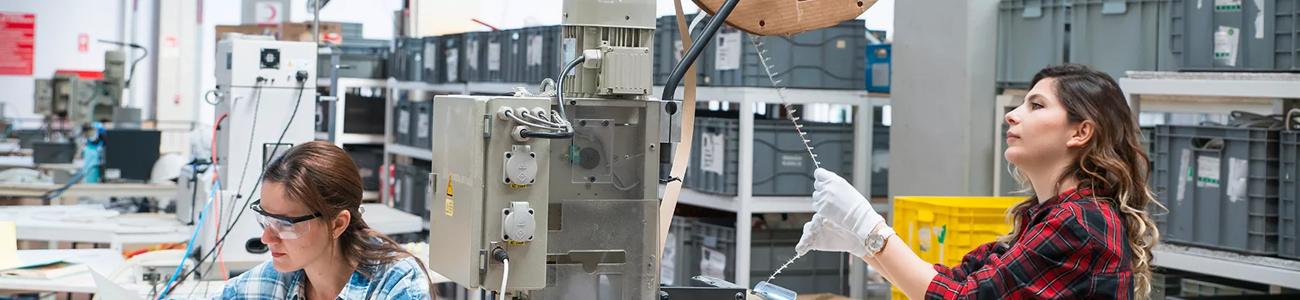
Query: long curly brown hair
{"points": [[1114, 164]]}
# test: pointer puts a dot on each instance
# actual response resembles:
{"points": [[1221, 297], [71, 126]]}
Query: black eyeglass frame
{"points": [[257, 207]]}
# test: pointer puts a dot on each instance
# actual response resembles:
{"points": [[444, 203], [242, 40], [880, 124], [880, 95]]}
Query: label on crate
{"points": [[1226, 40], [1184, 174], [668, 264], [713, 263], [713, 153], [451, 65], [471, 55], [1227, 5], [535, 50], [792, 160], [403, 123], [422, 127], [1259, 21], [494, 57], [727, 55], [1207, 171], [430, 52], [1238, 170]]}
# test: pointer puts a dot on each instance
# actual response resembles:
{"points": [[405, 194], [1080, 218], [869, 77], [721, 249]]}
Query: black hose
{"points": [[546, 135], [559, 85], [670, 87]]}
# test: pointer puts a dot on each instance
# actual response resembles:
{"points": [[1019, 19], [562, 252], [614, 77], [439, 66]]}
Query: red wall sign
{"points": [[17, 43]]}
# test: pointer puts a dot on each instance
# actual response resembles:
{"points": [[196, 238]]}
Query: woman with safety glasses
{"points": [[320, 246]]}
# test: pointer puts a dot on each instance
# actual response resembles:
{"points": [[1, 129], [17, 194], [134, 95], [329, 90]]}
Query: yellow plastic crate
{"points": [[941, 229]]}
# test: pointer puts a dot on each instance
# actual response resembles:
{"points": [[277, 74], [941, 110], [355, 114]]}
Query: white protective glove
{"points": [[841, 204], [822, 235]]}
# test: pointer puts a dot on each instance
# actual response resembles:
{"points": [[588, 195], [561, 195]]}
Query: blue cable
{"points": [[198, 226]]}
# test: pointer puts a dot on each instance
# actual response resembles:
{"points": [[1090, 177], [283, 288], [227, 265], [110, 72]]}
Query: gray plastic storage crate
{"points": [[1202, 288], [350, 30], [781, 165], [668, 46], [879, 161], [1031, 35], [828, 58], [402, 122], [1115, 36], [397, 59], [361, 59], [514, 55], [415, 190], [1220, 185], [432, 50], [539, 55], [369, 159], [1211, 36], [494, 54], [677, 273], [707, 240], [408, 59], [451, 58], [421, 124], [815, 272], [1163, 285], [1289, 196], [474, 63]]}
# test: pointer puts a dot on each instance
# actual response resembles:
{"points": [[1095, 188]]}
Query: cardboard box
{"points": [[331, 32]]}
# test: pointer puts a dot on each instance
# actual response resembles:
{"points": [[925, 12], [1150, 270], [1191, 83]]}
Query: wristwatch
{"points": [[877, 239]]}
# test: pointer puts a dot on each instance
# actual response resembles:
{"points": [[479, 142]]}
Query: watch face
{"points": [[875, 242]]}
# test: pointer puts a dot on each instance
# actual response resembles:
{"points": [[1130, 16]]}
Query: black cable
{"points": [[248, 152], [670, 87], [130, 76], [301, 85], [559, 85], [545, 135], [559, 97]]}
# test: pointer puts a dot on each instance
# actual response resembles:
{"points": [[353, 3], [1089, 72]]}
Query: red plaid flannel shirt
{"points": [[1070, 247]]}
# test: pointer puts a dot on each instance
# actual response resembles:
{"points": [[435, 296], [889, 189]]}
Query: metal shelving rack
{"points": [[334, 133], [745, 204], [391, 148], [334, 128], [1284, 89]]}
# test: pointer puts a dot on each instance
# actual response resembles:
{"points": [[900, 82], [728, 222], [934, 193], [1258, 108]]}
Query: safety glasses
{"points": [[286, 227]]}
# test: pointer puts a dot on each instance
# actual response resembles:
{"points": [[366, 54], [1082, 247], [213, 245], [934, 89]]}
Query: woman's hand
{"points": [[841, 204], [822, 235]]}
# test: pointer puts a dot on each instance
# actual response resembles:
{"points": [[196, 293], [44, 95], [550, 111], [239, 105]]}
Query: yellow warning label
{"points": [[449, 206]]}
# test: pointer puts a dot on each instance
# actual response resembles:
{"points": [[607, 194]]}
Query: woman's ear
{"points": [[340, 223], [1083, 132]]}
